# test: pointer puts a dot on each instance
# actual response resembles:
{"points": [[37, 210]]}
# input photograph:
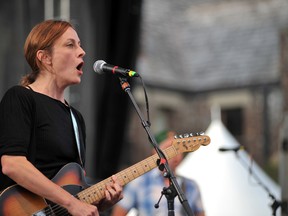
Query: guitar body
{"points": [[17, 201]]}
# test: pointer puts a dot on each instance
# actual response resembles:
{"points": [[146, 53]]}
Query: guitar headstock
{"points": [[190, 142]]}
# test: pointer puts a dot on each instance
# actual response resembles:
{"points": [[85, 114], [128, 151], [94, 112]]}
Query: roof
{"points": [[211, 45]]}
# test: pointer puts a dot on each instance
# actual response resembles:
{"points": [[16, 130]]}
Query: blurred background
{"points": [[192, 55]]}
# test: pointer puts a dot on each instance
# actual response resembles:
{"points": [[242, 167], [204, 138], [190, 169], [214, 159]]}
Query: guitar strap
{"points": [[76, 132], [75, 127]]}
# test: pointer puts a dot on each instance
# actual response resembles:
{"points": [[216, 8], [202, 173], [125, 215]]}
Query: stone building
{"points": [[197, 54]]}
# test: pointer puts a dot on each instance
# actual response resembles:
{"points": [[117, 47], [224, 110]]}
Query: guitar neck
{"points": [[96, 192], [16, 200]]}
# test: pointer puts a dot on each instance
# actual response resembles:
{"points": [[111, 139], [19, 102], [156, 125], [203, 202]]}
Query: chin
{"points": [[77, 81]]}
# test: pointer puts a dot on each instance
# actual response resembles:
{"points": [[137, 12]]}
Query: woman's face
{"points": [[67, 59]]}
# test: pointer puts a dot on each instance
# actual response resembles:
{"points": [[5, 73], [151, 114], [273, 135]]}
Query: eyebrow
{"points": [[73, 40]]}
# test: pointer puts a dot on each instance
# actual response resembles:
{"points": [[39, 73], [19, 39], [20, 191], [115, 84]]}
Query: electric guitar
{"points": [[17, 201]]}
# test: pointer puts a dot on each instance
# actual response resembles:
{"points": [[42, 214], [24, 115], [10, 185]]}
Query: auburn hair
{"points": [[41, 37]]}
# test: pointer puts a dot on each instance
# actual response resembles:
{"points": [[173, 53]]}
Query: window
{"points": [[232, 118]]}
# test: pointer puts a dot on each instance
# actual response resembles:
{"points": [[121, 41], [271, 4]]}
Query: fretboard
{"points": [[96, 192]]}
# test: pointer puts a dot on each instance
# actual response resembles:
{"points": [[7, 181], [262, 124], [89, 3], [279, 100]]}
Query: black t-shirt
{"points": [[40, 128]]}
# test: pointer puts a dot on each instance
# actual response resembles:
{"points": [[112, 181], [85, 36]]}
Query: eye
{"points": [[70, 45]]}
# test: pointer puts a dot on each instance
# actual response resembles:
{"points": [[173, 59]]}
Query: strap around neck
{"points": [[76, 132]]}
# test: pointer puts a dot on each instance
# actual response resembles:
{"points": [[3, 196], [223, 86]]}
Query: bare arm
{"points": [[19, 169]]}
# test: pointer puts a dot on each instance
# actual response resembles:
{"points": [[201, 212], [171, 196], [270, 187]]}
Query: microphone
{"points": [[235, 149], [102, 67]]}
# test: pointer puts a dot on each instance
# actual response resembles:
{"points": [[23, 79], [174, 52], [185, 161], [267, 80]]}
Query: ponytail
{"points": [[28, 78]]}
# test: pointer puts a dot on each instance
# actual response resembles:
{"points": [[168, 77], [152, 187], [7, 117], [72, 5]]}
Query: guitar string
{"points": [[56, 209], [50, 210], [138, 169]]}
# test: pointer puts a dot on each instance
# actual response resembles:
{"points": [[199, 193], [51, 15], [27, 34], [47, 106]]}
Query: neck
{"points": [[49, 88]]}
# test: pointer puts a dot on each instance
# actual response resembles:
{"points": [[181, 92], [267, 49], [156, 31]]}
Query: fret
{"points": [[127, 172], [133, 171], [96, 193], [124, 178], [140, 169], [72, 174], [145, 166], [93, 193]]}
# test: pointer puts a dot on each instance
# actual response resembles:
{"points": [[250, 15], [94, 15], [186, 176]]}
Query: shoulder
{"points": [[17, 91], [17, 88], [17, 94], [17, 101]]}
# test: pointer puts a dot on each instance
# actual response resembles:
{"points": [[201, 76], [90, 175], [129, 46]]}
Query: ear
{"points": [[43, 57]]}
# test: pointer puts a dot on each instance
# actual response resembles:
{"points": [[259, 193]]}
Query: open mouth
{"points": [[80, 66]]}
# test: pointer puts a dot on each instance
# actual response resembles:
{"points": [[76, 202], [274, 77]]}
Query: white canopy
{"points": [[227, 187]]}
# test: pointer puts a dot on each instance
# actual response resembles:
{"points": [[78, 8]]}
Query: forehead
{"points": [[69, 34]]}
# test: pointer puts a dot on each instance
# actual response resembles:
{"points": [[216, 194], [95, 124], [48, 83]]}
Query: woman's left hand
{"points": [[113, 194]]}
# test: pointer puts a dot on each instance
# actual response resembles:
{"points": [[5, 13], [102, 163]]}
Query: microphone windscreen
{"points": [[98, 65]]}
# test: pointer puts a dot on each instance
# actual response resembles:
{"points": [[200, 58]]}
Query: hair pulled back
{"points": [[41, 37]]}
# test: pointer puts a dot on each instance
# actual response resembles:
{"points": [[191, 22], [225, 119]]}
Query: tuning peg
{"points": [[186, 135], [178, 136], [196, 134]]}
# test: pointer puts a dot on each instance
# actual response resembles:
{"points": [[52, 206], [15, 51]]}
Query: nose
{"points": [[81, 52]]}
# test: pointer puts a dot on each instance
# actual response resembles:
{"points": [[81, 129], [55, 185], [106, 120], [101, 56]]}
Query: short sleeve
{"points": [[16, 114]]}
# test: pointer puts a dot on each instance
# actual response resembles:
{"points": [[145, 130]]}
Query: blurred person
{"points": [[143, 193], [39, 131]]}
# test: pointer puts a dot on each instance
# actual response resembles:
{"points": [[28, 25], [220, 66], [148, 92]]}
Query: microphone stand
{"points": [[174, 189], [276, 203]]}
